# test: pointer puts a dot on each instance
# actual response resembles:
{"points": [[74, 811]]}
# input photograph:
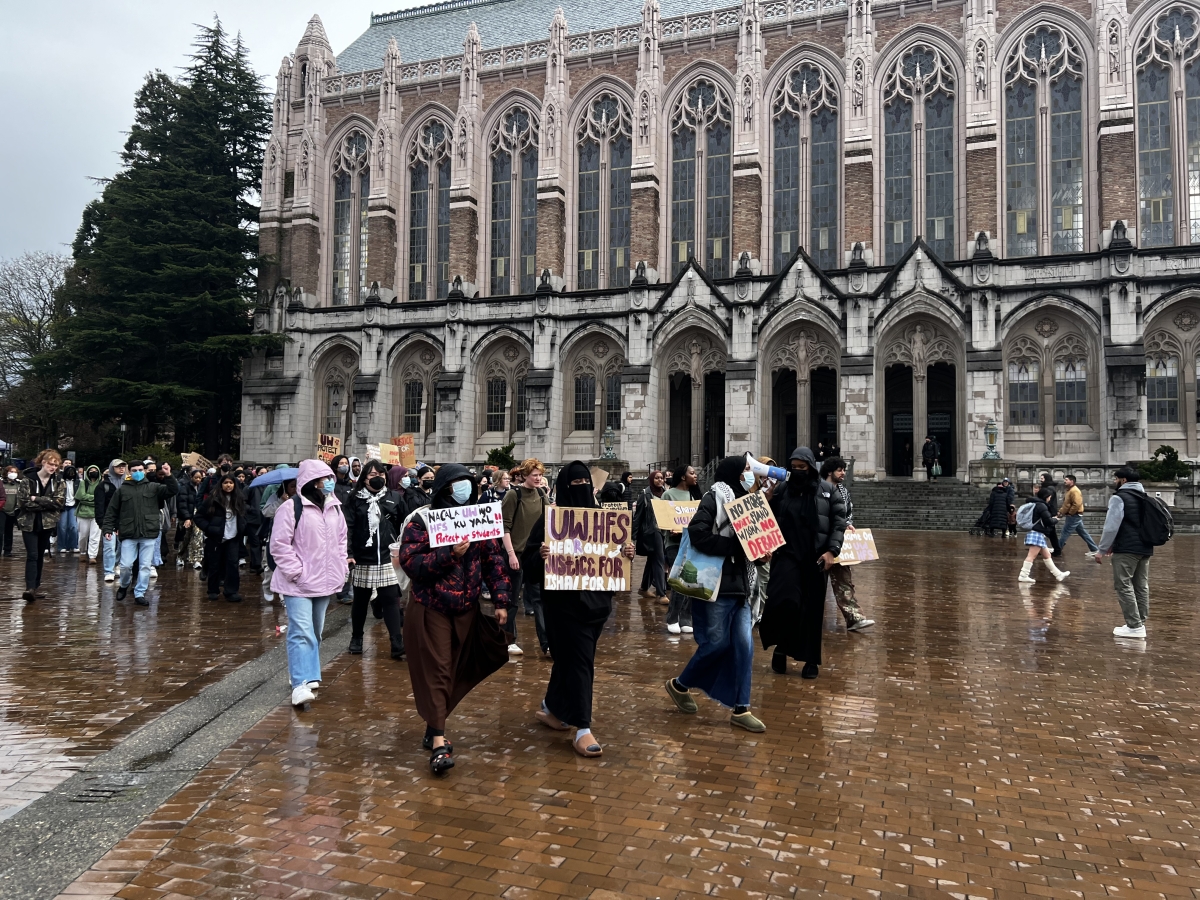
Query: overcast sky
{"points": [[69, 72]]}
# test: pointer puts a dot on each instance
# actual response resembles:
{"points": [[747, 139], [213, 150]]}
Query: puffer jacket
{"points": [[1043, 521], [310, 556], [831, 513], [997, 511], [32, 499]]}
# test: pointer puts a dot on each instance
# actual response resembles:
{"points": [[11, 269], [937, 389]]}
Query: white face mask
{"points": [[461, 491], [12, 476], [748, 480], [406, 481]]}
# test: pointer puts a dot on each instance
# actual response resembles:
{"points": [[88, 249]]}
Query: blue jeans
{"points": [[724, 654], [157, 551], [141, 549], [1074, 525], [306, 621], [68, 530], [112, 547]]}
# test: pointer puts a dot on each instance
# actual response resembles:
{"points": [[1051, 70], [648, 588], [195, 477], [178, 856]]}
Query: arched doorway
{"points": [[694, 417], [803, 405]]}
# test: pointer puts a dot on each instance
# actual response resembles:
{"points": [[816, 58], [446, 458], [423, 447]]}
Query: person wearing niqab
{"points": [[812, 519], [574, 621]]}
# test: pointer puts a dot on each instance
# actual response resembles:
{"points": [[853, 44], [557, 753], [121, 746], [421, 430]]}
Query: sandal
{"points": [[427, 743], [590, 749], [441, 761], [551, 721]]}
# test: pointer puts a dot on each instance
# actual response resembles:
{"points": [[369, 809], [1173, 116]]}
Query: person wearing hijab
{"points": [[574, 621], [447, 583], [355, 467], [812, 518], [343, 488], [724, 657], [375, 517], [649, 541], [679, 610]]}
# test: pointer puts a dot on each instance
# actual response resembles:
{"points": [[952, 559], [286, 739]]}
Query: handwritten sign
{"points": [[328, 446], [407, 448], [196, 461], [389, 454], [614, 504], [674, 515], [755, 525], [456, 524], [857, 547], [586, 549], [599, 478]]}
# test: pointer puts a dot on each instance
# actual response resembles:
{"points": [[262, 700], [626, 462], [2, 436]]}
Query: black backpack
{"points": [[1157, 525]]}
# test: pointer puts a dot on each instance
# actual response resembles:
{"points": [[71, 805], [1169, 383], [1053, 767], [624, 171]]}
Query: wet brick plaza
{"points": [[983, 740]]}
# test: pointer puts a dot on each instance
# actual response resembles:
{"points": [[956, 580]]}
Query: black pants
{"points": [[388, 597], [575, 621], [37, 544], [1052, 536], [223, 564], [10, 521], [655, 572]]}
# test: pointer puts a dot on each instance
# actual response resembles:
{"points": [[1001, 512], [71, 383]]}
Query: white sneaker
{"points": [[197, 565], [673, 628], [313, 685], [687, 629], [241, 562], [1026, 579], [153, 572], [514, 650], [1126, 632], [302, 695], [109, 578], [179, 563], [860, 625]]}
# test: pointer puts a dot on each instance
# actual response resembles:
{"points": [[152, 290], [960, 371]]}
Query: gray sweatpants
{"points": [[1131, 578]]}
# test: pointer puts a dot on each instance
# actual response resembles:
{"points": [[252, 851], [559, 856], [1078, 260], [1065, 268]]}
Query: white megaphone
{"points": [[762, 470]]}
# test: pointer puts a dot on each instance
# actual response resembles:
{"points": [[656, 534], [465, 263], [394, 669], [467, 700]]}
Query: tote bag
{"points": [[695, 574], [936, 471]]}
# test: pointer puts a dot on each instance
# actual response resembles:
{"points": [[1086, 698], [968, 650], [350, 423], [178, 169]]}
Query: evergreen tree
{"points": [[163, 280]]}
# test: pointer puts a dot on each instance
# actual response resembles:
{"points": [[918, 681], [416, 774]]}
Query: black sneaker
{"points": [[234, 598], [809, 670], [214, 596], [355, 646], [28, 596], [141, 601], [122, 592], [779, 663]]}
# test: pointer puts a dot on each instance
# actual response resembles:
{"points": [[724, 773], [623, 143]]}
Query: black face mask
{"points": [[225, 467], [375, 482]]}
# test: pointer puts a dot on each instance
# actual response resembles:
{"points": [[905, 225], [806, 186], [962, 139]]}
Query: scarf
{"points": [[372, 514], [724, 494]]}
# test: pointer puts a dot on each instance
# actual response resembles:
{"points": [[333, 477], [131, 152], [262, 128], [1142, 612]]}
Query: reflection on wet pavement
{"points": [[79, 671], [983, 740]]}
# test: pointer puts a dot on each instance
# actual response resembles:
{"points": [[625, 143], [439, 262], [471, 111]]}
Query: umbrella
{"points": [[275, 476]]}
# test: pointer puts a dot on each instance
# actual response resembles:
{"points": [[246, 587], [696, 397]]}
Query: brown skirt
{"points": [[433, 642]]}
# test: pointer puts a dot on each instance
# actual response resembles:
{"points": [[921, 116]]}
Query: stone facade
{"points": [[739, 229]]}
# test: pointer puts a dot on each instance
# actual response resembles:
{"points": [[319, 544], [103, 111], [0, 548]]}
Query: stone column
{"points": [[1188, 407], [1048, 410], [803, 407], [920, 420], [697, 419]]}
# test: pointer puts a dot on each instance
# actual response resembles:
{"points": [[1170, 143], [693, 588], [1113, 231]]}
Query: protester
{"points": [[1048, 495], [12, 487], [841, 577], [134, 516], [85, 511], [574, 621], [1071, 512], [276, 499], [1036, 540], [355, 468], [1123, 540], [812, 519], [447, 583], [222, 519], [343, 487], [374, 522], [627, 492], [308, 546], [425, 479], [190, 550], [68, 522], [114, 477], [649, 541], [931, 451], [503, 484], [524, 509], [679, 609], [486, 493], [414, 496], [721, 666], [996, 514], [40, 501], [762, 566]]}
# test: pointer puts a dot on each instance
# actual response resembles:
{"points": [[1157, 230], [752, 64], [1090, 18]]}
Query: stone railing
{"points": [[1094, 480]]}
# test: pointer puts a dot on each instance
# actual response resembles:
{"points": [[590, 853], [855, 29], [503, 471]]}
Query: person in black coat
{"points": [[648, 540], [1048, 495], [997, 511], [222, 519], [374, 515], [812, 517]]}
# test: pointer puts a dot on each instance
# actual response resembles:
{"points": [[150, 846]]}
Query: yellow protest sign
{"points": [[857, 547], [674, 515]]}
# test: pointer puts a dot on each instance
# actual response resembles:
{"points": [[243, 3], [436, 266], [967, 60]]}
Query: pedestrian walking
{"points": [[11, 488], [374, 525], [679, 609], [628, 495], [276, 500], [1071, 512], [444, 616], [524, 511], [1034, 516], [1126, 541], [649, 540], [574, 621], [765, 486], [40, 503], [85, 511], [222, 520], [190, 550], [812, 518], [722, 664], [931, 453], [134, 516], [841, 577], [68, 522], [114, 477], [343, 487]]}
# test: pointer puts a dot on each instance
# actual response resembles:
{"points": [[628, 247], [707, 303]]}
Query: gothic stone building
{"points": [[741, 228]]}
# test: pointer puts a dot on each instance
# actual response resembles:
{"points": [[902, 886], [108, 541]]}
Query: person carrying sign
{"points": [[574, 620], [524, 509], [375, 514], [724, 658], [833, 470], [812, 517], [679, 612], [444, 614]]}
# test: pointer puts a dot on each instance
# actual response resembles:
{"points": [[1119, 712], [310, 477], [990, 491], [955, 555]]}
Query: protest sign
{"points": [[599, 478], [407, 448], [858, 546], [328, 446], [455, 524], [614, 504], [755, 525], [674, 515], [372, 452], [586, 549], [196, 461], [389, 454]]}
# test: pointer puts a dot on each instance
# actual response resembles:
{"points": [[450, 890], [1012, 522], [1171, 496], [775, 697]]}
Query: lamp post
{"points": [[991, 432], [609, 439], [122, 439]]}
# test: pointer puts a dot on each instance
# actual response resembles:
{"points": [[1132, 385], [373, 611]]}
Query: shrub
{"points": [[1165, 466], [502, 457]]}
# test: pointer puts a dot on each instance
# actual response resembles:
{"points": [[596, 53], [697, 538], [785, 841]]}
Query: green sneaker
{"points": [[683, 699], [748, 721]]}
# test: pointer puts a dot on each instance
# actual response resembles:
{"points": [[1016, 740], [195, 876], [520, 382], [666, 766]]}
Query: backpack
{"points": [[1157, 525], [1025, 516]]}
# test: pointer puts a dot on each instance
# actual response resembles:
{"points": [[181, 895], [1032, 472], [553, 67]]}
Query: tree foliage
{"points": [[163, 275], [502, 457]]}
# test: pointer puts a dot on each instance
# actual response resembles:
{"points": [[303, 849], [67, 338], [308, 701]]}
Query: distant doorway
{"points": [[823, 383], [898, 429], [783, 414], [679, 439], [941, 389]]}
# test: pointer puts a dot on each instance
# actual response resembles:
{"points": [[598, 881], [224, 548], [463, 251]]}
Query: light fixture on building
{"points": [[991, 432], [610, 438]]}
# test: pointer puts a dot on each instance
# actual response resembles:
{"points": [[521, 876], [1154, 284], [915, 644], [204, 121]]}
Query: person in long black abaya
{"points": [[574, 621], [813, 522]]}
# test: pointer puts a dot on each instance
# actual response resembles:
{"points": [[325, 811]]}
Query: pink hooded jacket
{"points": [[310, 556]]}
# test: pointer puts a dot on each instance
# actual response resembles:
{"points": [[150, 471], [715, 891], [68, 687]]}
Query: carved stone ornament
{"points": [[1046, 327], [428, 356], [348, 360], [511, 353], [1186, 320], [600, 349]]}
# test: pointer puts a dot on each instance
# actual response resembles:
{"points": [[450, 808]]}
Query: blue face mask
{"points": [[137, 476], [406, 481], [461, 491], [329, 485]]}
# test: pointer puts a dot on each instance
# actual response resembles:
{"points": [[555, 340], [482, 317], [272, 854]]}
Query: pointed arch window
{"points": [[585, 401], [514, 163], [1043, 144], [918, 154], [805, 166], [1023, 392], [1070, 392], [1162, 389], [1168, 132], [701, 179], [605, 150], [351, 188], [429, 214]]}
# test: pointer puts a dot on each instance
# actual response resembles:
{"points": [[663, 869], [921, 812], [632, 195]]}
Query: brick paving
{"points": [[984, 741]]}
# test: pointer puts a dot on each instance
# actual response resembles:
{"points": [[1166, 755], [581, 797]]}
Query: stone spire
{"points": [[648, 90], [554, 98], [314, 35], [748, 79]]}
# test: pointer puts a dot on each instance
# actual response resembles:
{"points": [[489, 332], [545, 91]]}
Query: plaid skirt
{"points": [[1035, 539], [373, 576]]}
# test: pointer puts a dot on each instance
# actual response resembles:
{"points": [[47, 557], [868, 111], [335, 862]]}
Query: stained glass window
{"points": [[585, 403], [605, 154], [429, 214], [897, 183], [1162, 389], [612, 402], [501, 222], [529, 170], [1023, 393], [701, 179], [364, 192], [1066, 165], [1020, 156], [522, 402], [514, 184], [443, 229], [1070, 392], [786, 162], [1156, 194], [418, 232], [351, 191], [683, 198], [341, 239], [497, 400], [620, 162], [939, 174], [824, 204], [588, 273]]}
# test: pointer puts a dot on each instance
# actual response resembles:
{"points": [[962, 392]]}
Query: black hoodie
{"points": [[703, 536]]}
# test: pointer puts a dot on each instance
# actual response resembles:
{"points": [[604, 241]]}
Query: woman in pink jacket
{"points": [[308, 544]]}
